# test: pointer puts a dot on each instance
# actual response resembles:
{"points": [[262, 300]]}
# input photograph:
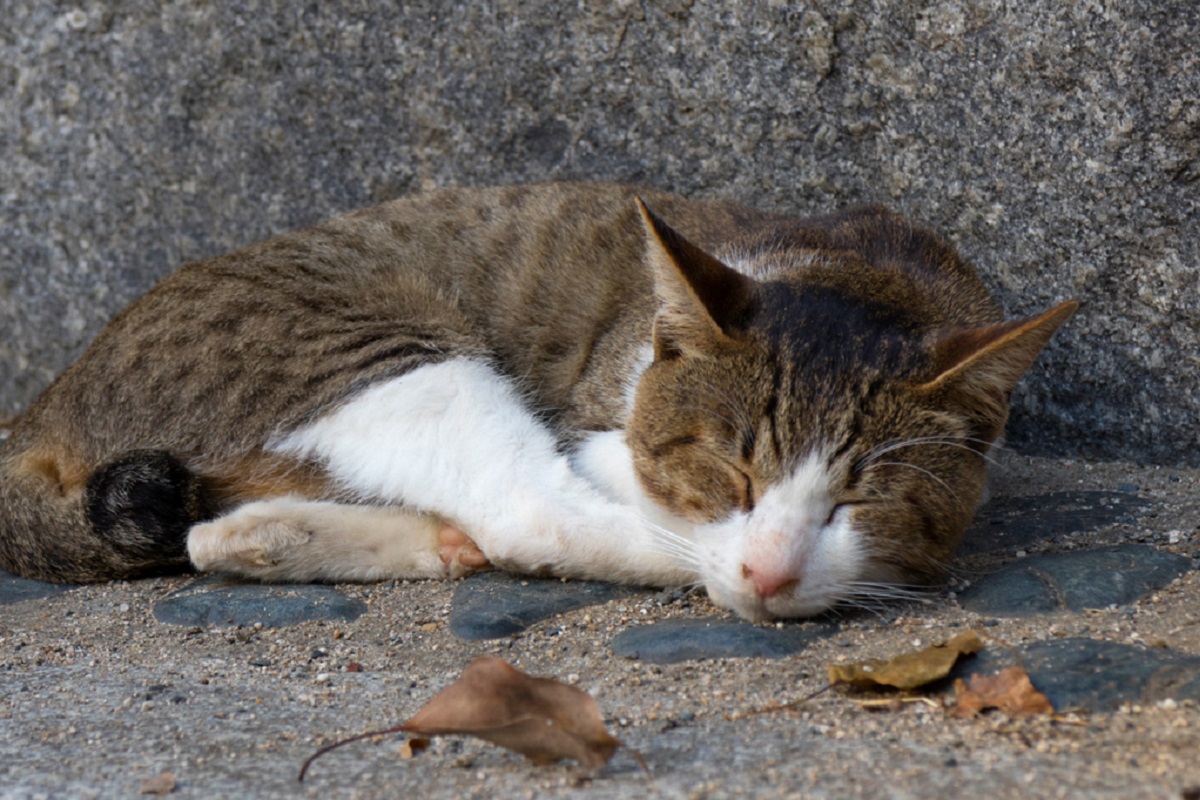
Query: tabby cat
{"points": [[549, 379]]}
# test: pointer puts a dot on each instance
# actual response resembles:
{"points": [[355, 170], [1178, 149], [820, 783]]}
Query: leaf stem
{"points": [[369, 734]]}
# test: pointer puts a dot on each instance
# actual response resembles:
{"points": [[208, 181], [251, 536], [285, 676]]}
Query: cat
{"points": [[549, 379]]}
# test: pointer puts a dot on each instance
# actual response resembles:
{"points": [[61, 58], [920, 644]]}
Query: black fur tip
{"points": [[143, 504]]}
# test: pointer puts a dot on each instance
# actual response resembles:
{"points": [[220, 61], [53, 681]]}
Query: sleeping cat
{"points": [[549, 379]]}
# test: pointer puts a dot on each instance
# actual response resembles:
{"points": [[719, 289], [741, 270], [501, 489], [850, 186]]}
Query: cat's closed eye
{"points": [[672, 443]]}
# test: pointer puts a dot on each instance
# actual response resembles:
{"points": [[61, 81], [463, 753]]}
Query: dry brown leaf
{"points": [[541, 718], [159, 784], [1008, 690], [908, 670]]}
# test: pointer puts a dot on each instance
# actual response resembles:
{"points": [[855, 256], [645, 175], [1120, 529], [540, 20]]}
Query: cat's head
{"points": [[818, 413]]}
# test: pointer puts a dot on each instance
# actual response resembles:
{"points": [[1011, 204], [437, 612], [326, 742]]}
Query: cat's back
{"points": [[541, 278], [548, 281]]}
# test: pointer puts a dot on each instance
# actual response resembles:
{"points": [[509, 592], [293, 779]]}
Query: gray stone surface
{"points": [[1057, 143], [1014, 522], [219, 601], [14, 589], [675, 640], [491, 605], [1097, 578], [1096, 675]]}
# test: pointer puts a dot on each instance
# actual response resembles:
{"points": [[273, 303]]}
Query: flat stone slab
{"points": [[220, 601], [672, 641], [1096, 675], [491, 605], [14, 589], [1009, 522], [1095, 578]]}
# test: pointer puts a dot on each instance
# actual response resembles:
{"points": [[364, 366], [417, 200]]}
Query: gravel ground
{"points": [[96, 696]]}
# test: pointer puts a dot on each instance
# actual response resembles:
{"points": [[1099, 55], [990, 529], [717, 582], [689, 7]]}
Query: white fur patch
{"points": [[605, 460], [455, 440], [441, 436], [645, 356]]}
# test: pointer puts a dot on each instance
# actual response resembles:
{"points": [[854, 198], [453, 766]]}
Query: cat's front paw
{"points": [[287, 539], [459, 553], [244, 545]]}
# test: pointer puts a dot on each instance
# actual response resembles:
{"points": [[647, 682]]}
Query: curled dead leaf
{"points": [[541, 718], [908, 670], [1009, 690]]}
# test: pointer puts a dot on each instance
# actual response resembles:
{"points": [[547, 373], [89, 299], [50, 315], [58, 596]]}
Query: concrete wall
{"points": [[1057, 143]]}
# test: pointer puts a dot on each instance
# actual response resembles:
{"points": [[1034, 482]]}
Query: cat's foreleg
{"points": [[454, 439], [290, 539]]}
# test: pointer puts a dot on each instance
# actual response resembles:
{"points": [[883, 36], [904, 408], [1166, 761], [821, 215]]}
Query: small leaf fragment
{"points": [[413, 746], [1009, 690], [908, 670], [159, 784]]}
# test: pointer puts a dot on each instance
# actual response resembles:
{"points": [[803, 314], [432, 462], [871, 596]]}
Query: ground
{"points": [[97, 695]]}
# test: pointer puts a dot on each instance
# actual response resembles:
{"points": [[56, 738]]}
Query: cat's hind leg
{"points": [[290, 539]]}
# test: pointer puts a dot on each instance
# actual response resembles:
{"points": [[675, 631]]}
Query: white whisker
{"points": [[913, 466], [667, 534], [688, 588], [683, 557], [877, 609], [870, 458], [674, 546]]}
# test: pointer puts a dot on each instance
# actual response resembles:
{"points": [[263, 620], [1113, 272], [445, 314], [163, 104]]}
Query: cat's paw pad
{"points": [[459, 553]]}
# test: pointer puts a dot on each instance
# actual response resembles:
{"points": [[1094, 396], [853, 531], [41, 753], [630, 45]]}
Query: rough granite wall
{"points": [[1057, 143]]}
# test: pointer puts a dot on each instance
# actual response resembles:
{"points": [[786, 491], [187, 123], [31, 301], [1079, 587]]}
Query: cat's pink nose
{"points": [[768, 583]]}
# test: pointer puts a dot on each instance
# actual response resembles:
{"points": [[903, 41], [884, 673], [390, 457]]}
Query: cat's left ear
{"points": [[702, 301], [978, 368]]}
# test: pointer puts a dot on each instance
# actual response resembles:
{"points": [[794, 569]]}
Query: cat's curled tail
{"points": [[127, 518]]}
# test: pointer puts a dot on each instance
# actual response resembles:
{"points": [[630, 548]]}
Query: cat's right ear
{"points": [[702, 302], [978, 368]]}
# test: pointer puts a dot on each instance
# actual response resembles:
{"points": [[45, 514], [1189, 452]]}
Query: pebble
{"points": [[215, 600], [1015, 522], [1095, 675], [672, 641], [492, 605], [14, 589], [1074, 581]]}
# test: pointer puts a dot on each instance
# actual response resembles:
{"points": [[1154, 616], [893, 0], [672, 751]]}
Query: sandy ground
{"points": [[96, 696]]}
